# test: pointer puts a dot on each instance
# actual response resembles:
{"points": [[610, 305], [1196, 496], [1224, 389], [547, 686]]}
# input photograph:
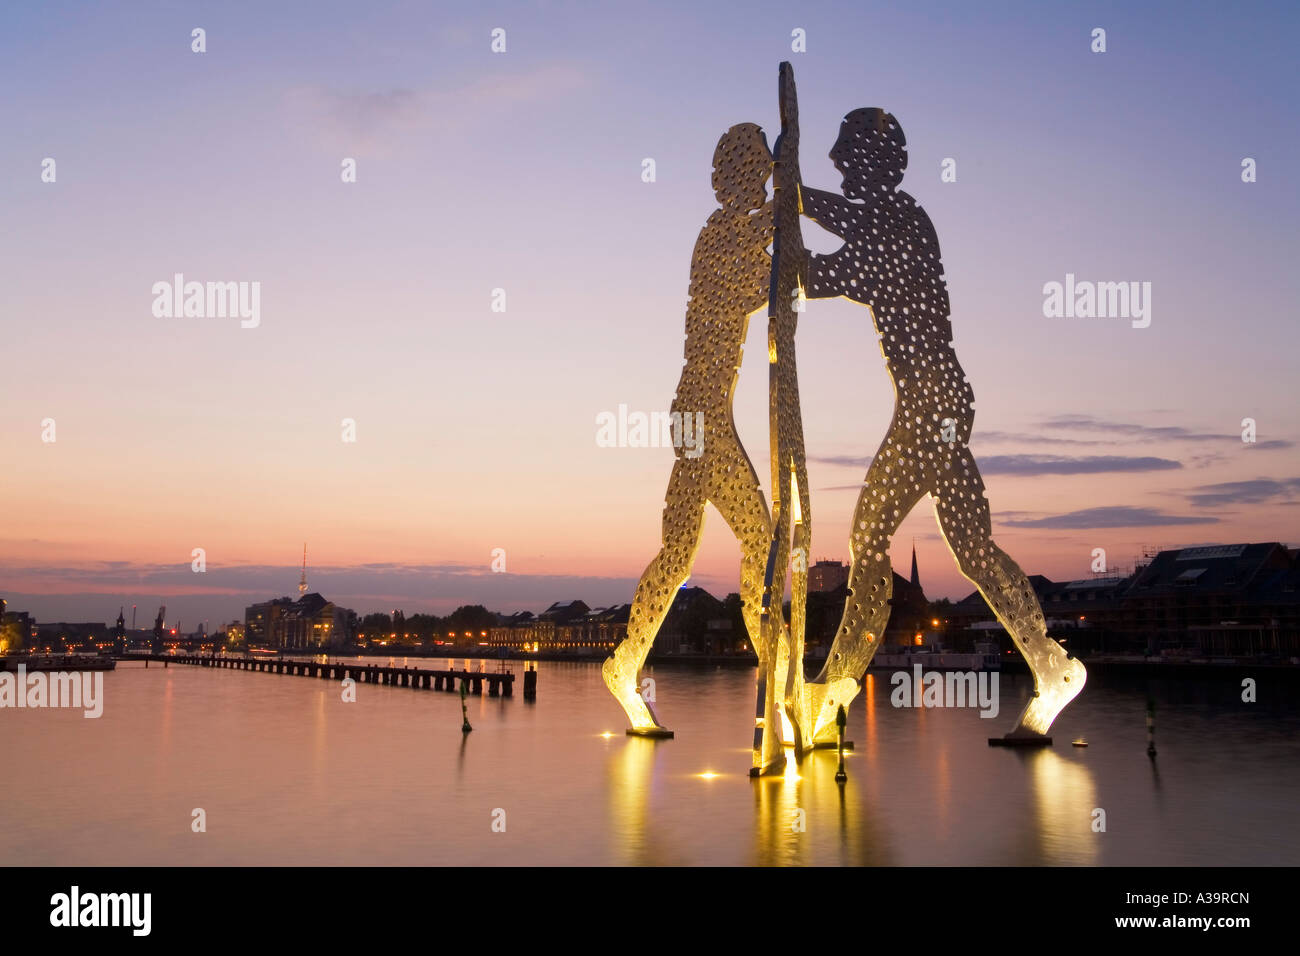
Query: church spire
{"points": [[916, 575]]}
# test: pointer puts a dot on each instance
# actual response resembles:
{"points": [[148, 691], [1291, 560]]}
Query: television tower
{"points": [[302, 584]]}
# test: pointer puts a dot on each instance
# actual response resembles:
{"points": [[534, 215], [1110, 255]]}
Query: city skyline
{"points": [[181, 605], [476, 430]]}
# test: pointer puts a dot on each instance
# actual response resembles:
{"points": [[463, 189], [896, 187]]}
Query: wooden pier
{"points": [[500, 684]]}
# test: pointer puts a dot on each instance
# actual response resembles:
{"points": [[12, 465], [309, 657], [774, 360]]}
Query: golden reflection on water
{"points": [[630, 772], [1064, 797], [319, 748], [780, 817], [165, 726], [872, 745], [803, 816]]}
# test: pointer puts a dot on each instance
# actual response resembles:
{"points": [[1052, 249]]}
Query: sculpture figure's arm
{"points": [[835, 214], [829, 210]]}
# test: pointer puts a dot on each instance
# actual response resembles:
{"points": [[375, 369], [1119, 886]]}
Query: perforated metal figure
{"points": [[890, 262], [730, 272]]}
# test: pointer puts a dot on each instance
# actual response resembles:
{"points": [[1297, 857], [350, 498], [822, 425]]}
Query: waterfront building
{"points": [[260, 618], [309, 623], [564, 626], [1238, 600]]}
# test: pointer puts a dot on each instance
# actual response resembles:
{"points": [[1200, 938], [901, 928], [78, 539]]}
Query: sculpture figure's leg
{"points": [[795, 697], [735, 492], [963, 514], [893, 486], [683, 520], [769, 756]]}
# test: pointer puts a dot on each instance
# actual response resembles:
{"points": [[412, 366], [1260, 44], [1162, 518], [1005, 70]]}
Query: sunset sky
{"points": [[522, 171]]}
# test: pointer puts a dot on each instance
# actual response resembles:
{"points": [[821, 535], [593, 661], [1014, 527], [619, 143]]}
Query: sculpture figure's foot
{"points": [[795, 709], [824, 702], [1058, 678], [621, 681], [772, 769], [769, 755]]}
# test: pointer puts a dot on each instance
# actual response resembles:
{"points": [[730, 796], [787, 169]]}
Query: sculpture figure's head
{"points": [[742, 164], [871, 153]]}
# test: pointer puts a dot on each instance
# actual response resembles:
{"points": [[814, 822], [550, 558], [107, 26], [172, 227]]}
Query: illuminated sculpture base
{"points": [[823, 698], [657, 733], [771, 770]]}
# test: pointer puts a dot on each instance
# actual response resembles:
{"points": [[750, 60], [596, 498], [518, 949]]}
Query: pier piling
{"points": [[499, 684]]}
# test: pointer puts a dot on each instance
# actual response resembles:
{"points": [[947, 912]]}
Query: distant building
{"points": [[696, 623], [909, 614], [88, 634], [309, 623], [1230, 600], [1237, 600], [513, 631], [235, 633], [17, 630], [827, 576], [565, 625], [605, 626], [259, 619], [556, 626]]}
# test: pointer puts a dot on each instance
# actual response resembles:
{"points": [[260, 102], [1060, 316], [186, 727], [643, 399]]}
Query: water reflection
{"points": [[923, 787], [1064, 800], [629, 772], [780, 817]]}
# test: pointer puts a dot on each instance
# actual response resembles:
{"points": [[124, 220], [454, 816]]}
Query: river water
{"points": [[286, 772]]}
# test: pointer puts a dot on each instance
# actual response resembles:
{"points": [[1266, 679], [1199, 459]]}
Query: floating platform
{"points": [[656, 733], [1020, 741]]}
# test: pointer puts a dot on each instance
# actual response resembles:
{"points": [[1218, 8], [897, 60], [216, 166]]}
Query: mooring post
{"points": [[530, 684], [464, 710], [1151, 727], [841, 721]]}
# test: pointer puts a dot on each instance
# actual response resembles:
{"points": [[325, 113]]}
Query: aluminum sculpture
{"points": [[730, 269], [889, 262]]}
